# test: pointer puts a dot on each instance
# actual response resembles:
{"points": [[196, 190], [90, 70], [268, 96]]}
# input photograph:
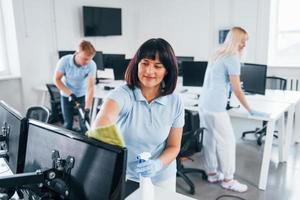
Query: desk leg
{"points": [[281, 138], [297, 124], [287, 135], [266, 156]]}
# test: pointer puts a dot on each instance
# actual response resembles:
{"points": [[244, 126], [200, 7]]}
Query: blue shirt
{"points": [[146, 126], [216, 84], [75, 77]]}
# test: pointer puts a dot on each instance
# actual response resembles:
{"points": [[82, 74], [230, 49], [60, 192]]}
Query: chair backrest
{"points": [[276, 83], [56, 112], [192, 136], [40, 113], [54, 92]]}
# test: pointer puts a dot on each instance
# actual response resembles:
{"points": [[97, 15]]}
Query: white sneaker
{"points": [[234, 185], [218, 177]]}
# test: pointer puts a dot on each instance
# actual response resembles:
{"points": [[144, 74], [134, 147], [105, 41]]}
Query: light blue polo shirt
{"points": [[216, 84], [75, 78], [146, 126]]}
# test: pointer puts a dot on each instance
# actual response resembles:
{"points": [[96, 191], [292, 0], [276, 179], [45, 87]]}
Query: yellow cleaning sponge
{"points": [[108, 134]]}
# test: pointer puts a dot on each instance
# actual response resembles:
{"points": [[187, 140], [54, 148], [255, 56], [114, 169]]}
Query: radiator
{"points": [[293, 83]]}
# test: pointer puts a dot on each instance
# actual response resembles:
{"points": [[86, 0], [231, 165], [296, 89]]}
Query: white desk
{"points": [[160, 194], [276, 111], [286, 96]]}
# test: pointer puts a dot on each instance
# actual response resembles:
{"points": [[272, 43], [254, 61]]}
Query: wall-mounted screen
{"points": [[100, 21]]}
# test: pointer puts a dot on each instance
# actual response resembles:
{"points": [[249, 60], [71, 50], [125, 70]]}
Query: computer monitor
{"points": [[119, 67], [193, 73], [99, 169], [14, 126], [253, 77], [181, 59], [63, 53], [110, 58], [98, 58]]}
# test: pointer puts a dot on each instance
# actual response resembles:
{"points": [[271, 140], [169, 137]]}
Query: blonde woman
{"points": [[219, 141]]}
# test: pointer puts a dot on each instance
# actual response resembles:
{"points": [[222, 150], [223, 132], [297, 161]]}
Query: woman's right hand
{"points": [[258, 113]]}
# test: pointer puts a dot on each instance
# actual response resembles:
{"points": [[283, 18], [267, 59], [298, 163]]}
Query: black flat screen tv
{"points": [[100, 21]]}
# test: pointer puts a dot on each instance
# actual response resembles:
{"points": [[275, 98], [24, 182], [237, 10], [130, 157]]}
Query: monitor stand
{"points": [[228, 106]]}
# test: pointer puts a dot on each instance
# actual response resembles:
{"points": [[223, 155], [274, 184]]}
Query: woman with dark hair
{"points": [[147, 112]]}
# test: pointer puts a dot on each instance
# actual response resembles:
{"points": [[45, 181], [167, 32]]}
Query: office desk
{"points": [[286, 96], [160, 194]]}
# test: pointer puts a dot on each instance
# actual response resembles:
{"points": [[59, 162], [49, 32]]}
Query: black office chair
{"points": [[274, 83], [56, 112], [40, 113], [191, 143]]}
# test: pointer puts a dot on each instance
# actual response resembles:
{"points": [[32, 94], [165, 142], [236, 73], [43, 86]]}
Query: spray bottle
{"points": [[146, 186]]}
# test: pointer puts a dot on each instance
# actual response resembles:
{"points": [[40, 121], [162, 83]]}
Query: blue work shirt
{"points": [[75, 78], [146, 126], [216, 84]]}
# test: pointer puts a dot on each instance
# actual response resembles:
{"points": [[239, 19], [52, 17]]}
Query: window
{"points": [[3, 53], [285, 34]]}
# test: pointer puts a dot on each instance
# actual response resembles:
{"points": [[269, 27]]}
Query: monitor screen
{"points": [[99, 169], [193, 73], [253, 77], [63, 53], [181, 59], [14, 125], [119, 67], [100, 21], [110, 58], [98, 58]]}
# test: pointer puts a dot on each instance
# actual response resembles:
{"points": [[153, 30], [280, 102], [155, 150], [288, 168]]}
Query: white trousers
{"points": [[219, 143]]}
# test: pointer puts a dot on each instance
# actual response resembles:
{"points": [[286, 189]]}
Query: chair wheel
{"points": [[259, 142]]}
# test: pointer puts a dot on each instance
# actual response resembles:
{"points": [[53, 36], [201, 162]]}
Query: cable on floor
{"points": [[228, 195]]}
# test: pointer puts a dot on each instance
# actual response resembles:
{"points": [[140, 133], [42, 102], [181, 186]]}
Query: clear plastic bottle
{"points": [[146, 186]]}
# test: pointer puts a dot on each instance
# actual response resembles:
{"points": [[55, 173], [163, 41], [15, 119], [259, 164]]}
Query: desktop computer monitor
{"points": [[110, 58], [253, 77], [99, 168], [63, 53], [98, 58], [119, 67], [181, 59], [193, 73], [14, 129]]}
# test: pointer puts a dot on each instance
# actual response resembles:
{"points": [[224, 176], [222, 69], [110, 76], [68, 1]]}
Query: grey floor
{"points": [[283, 181]]}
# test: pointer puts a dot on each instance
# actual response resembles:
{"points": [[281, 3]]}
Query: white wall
{"points": [[11, 93], [44, 27]]}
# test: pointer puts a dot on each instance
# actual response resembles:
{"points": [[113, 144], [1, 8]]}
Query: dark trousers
{"points": [[69, 111]]}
